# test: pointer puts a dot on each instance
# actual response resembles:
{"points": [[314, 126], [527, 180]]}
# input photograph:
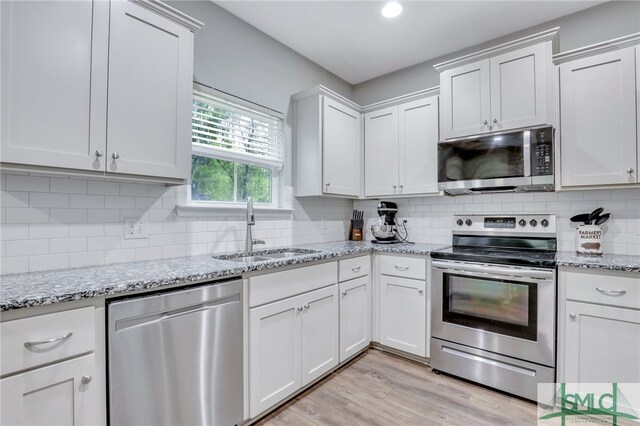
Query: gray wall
{"points": [[599, 23], [235, 57]]}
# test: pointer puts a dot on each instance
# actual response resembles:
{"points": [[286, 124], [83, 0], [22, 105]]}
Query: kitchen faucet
{"points": [[251, 220]]}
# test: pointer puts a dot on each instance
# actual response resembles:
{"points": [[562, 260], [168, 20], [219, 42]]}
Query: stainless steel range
{"points": [[494, 302]]}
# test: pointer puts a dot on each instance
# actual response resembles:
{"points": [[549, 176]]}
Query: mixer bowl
{"points": [[384, 232]]}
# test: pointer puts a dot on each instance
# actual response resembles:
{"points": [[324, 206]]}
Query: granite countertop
{"points": [[611, 262], [41, 288]]}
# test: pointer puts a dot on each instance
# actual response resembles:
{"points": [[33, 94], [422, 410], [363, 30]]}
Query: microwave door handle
{"points": [[526, 152]]}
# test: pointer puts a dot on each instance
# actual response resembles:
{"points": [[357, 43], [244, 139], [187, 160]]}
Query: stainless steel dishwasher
{"points": [[175, 358]]}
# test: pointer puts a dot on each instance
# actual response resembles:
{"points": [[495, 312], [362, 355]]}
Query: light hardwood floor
{"points": [[378, 388]]}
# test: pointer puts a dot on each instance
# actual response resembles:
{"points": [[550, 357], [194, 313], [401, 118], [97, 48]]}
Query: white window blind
{"points": [[236, 131]]}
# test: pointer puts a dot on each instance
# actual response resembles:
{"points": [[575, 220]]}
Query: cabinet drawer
{"points": [[622, 290], [279, 285], [24, 341], [354, 268], [407, 267]]}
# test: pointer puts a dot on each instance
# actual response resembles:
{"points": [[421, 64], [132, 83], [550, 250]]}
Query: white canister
{"points": [[589, 239]]}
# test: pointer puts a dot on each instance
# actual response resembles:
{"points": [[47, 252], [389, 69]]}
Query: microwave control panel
{"points": [[542, 152]]}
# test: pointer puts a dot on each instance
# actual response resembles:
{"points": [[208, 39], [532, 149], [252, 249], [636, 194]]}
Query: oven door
{"points": [[504, 309]]}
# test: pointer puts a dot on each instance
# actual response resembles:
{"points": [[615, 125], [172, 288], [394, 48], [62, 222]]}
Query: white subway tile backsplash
{"points": [[68, 245], [14, 232], [26, 215], [27, 183], [89, 258], [48, 199], [86, 230], [103, 215], [68, 186], [14, 265], [49, 261], [103, 188], [148, 253], [103, 243], [14, 199], [134, 189], [48, 231], [86, 201], [119, 256], [26, 247], [68, 215]]}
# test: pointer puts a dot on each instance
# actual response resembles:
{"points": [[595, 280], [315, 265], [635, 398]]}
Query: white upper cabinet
{"points": [[53, 92], [381, 152], [150, 101], [341, 148], [327, 144], [466, 105], [519, 87], [401, 149], [598, 140], [418, 135], [97, 86], [502, 88]]}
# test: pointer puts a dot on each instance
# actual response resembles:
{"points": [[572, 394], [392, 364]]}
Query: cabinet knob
{"points": [[99, 153], [495, 121], [420, 291], [630, 170], [328, 184], [115, 155], [344, 293], [300, 308], [572, 316], [306, 306], [85, 380], [485, 122]]}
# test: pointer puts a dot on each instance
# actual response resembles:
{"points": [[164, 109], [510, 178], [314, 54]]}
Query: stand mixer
{"points": [[386, 230]]}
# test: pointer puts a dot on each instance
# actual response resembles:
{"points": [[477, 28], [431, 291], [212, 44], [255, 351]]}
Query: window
{"points": [[237, 150]]}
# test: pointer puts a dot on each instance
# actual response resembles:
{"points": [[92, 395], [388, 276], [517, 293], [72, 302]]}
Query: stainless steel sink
{"points": [[246, 259], [284, 255]]}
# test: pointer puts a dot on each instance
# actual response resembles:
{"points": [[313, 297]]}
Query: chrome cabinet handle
{"points": [[99, 153], [306, 306], [630, 170], [344, 293], [356, 268], [401, 268], [495, 121], [485, 122], [85, 380], [401, 187], [572, 316], [44, 342], [611, 292], [115, 155], [299, 308]]}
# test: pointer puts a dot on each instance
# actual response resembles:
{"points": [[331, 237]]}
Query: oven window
{"points": [[500, 306]]}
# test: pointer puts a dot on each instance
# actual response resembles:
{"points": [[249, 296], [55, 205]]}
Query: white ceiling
{"points": [[352, 39]]}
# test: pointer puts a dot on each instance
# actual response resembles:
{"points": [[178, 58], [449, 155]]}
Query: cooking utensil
{"points": [[584, 218], [603, 218], [594, 214]]}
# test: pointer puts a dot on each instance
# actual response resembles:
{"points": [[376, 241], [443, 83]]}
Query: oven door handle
{"points": [[495, 270]]}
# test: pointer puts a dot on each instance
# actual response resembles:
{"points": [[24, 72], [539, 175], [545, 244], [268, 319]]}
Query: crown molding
{"points": [[171, 13], [548, 35], [595, 49], [323, 90], [420, 94]]}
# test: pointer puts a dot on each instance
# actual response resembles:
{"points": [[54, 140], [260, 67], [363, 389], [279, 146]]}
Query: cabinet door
{"points": [[150, 93], [466, 106], [403, 314], [51, 395], [53, 90], [341, 149], [319, 331], [274, 353], [419, 146], [355, 316], [381, 152], [598, 116], [602, 344], [519, 87]]}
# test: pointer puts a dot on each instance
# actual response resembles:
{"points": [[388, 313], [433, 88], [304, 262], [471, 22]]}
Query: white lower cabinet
{"points": [[291, 343], [403, 314], [602, 344], [355, 316], [61, 394], [599, 326]]}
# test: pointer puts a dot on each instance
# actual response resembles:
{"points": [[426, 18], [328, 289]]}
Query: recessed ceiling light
{"points": [[392, 9]]}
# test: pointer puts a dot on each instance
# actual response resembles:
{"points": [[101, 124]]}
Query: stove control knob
{"points": [[522, 222], [459, 222], [533, 222], [468, 222], [544, 223]]}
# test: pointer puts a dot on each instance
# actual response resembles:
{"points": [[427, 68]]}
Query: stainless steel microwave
{"points": [[514, 161]]}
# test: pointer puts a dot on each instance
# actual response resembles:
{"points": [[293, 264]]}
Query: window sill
{"points": [[220, 210]]}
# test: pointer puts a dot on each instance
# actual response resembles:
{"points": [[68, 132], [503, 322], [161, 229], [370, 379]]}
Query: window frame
{"points": [[204, 150]]}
